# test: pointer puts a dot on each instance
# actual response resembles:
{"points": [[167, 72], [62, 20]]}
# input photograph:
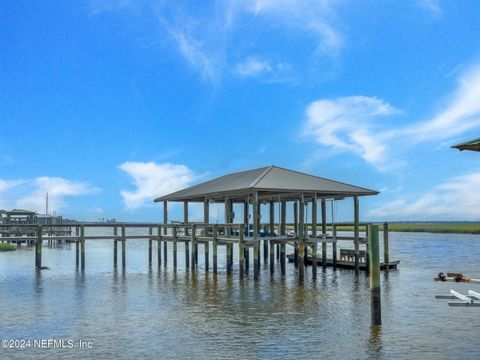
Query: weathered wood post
{"points": [[206, 220], [159, 246], [165, 229], [246, 222], [356, 233], [271, 228], [367, 253], [386, 257], [256, 248], [115, 247], [334, 247], [324, 233], [214, 247], [77, 247], [228, 232], [82, 247], [187, 248], [124, 239], [374, 249], [150, 233], [241, 253], [283, 226], [185, 232], [38, 248], [314, 236], [174, 247], [295, 229], [301, 242], [194, 247]]}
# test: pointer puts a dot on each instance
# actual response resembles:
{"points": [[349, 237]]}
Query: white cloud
{"points": [[153, 180], [455, 199], [430, 5], [355, 124], [30, 194], [253, 67], [58, 189], [461, 111], [312, 17], [350, 124]]}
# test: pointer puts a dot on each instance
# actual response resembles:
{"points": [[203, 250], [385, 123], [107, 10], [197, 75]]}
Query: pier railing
{"points": [[224, 234]]}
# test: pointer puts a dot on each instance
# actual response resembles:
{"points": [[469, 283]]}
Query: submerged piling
{"points": [[374, 249], [386, 258], [82, 247], [38, 248]]}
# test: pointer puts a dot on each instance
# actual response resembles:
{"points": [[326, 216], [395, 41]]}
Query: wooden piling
{"points": [[124, 239], [256, 249], [247, 259], [206, 250], [324, 233], [194, 248], [301, 242], [175, 247], [165, 222], [159, 246], [356, 232], [150, 233], [374, 248], [241, 253], [77, 247], [272, 257], [283, 246], [82, 247], [38, 248], [295, 229], [386, 257], [115, 247], [334, 248], [314, 236], [214, 247]]}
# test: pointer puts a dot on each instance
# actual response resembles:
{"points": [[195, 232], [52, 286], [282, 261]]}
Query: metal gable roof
{"points": [[266, 179], [473, 145]]}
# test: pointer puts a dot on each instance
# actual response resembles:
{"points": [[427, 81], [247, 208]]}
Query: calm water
{"points": [[146, 313]]}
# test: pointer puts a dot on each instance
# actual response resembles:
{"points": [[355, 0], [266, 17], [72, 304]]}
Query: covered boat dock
{"points": [[270, 186]]}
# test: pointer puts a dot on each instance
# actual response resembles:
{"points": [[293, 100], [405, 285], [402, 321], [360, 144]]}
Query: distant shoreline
{"points": [[438, 228]]}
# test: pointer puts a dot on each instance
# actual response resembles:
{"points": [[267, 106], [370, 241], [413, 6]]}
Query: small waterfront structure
{"points": [[473, 145], [275, 186]]}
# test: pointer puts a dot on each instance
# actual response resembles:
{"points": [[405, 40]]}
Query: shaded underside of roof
{"points": [[20, 212], [473, 145], [271, 183]]}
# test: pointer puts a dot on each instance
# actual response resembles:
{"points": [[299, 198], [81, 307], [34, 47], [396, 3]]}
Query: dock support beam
{"points": [[150, 233], [324, 233], [185, 230], [82, 247], [334, 247], [77, 247], [314, 236], [374, 250], [295, 229], [38, 248], [256, 248], [356, 231], [301, 242], [206, 220], [159, 246], [214, 245], [115, 247], [124, 239], [194, 248], [165, 222], [241, 253], [283, 225], [386, 257], [175, 247]]}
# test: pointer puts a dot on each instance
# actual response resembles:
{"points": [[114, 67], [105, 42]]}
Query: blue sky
{"points": [[108, 104]]}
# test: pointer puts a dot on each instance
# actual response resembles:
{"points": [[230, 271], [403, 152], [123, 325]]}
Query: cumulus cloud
{"points": [[356, 123], [152, 180], [454, 199], [348, 124], [30, 194]]}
